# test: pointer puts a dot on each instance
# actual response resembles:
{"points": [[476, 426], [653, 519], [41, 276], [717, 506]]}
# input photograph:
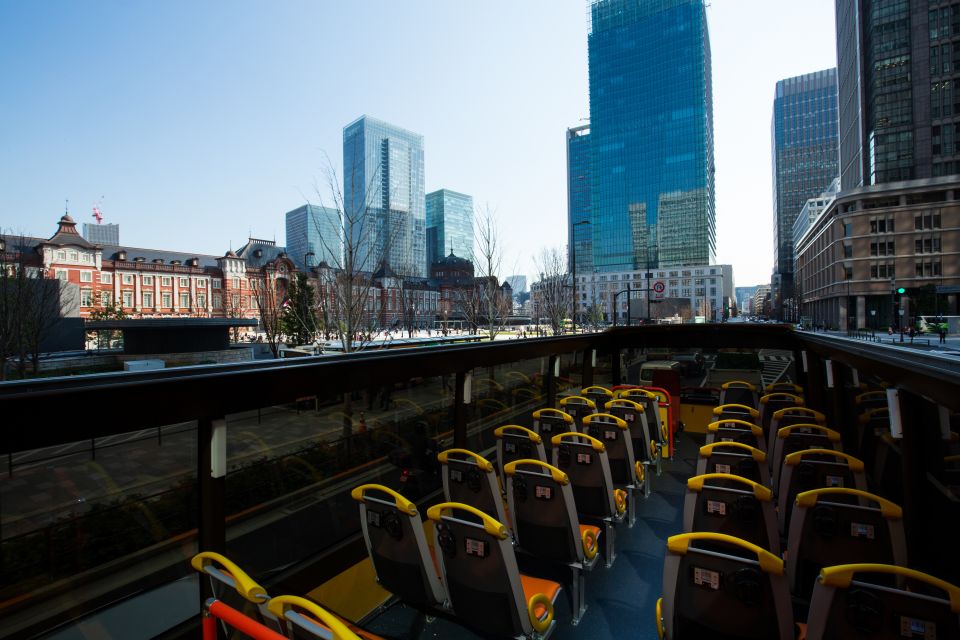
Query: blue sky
{"points": [[200, 123]]}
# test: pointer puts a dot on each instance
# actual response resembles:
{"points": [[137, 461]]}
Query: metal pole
{"points": [[628, 304], [573, 269]]}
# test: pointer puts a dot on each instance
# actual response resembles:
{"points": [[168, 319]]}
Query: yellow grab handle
{"points": [[638, 393], [759, 491], [620, 422], [653, 448], [794, 388], [830, 434], [707, 450], [558, 476], [740, 384], [532, 435], [620, 500], [553, 413], [586, 401], [855, 464], [869, 395], [490, 525], [597, 389], [953, 458], [816, 415], [665, 435], [640, 470], [782, 396], [280, 605], [754, 429], [540, 624], [888, 509], [841, 575], [740, 407], [660, 630], [245, 585], [589, 541], [482, 462], [401, 503], [768, 562], [593, 442], [624, 403]]}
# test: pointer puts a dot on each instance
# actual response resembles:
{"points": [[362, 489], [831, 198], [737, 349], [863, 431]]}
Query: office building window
{"points": [[148, 299], [106, 298], [201, 300], [148, 280], [127, 278], [184, 300], [167, 299], [183, 282], [217, 301], [106, 278], [128, 299], [166, 281], [86, 276], [86, 298]]}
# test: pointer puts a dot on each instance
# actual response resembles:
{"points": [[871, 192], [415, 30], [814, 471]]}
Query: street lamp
{"points": [[848, 276], [573, 268], [616, 309]]}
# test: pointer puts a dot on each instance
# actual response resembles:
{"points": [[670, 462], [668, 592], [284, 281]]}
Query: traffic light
{"points": [[901, 290]]}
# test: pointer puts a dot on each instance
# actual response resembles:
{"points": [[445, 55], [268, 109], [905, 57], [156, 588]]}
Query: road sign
{"points": [[659, 287]]}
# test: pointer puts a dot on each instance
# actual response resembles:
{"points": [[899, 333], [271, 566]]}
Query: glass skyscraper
{"points": [[804, 153], [449, 225], [316, 230], [383, 191], [651, 134], [579, 198]]}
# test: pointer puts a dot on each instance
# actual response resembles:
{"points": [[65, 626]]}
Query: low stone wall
{"points": [[115, 360]]}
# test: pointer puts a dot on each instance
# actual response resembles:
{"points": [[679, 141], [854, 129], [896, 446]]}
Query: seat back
{"points": [[584, 460], [736, 458], [739, 392], [469, 478], [393, 533], [651, 409], [870, 400], [815, 469], [598, 395], [784, 387], [737, 412], [715, 585], [857, 601], [801, 436], [826, 529], [232, 586], [480, 570], [773, 402], [544, 515], [736, 506], [577, 407], [871, 425], [615, 435], [299, 617], [517, 443], [549, 422], [789, 416], [634, 414], [733, 430]]}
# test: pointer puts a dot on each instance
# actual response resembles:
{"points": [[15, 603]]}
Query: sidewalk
{"points": [[929, 342]]}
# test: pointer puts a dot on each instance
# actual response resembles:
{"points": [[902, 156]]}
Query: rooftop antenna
{"points": [[66, 207]]}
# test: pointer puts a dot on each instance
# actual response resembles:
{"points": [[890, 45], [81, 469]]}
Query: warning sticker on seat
{"points": [[373, 518], [628, 417], [858, 530], [706, 578], [476, 548], [718, 507], [722, 468], [544, 493], [833, 481], [583, 458], [509, 447], [609, 435], [456, 475], [914, 628]]}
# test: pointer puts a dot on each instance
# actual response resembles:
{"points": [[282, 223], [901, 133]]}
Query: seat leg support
{"points": [[609, 534], [632, 507], [579, 595]]}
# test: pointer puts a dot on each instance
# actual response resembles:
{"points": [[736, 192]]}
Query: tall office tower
{"points": [[804, 153], [384, 196], [315, 230], [651, 133], [579, 205], [449, 225], [899, 108], [102, 234], [517, 283]]}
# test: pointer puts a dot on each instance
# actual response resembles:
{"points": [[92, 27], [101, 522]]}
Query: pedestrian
{"points": [[912, 333], [943, 334], [362, 427]]}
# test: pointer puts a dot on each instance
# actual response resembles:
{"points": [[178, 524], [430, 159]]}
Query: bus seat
{"points": [[732, 505], [737, 412], [545, 521], [231, 585], [517, 443], [733, 430], [870, 400], [887, 467], [656, 427], [599, 395], [548, 422], [615, 435], [784, 387], [487, 591], [801, 436], [734, 457], [633, 413], [790, 416], [871, 425], [815, 469], [825, 532], [773, 402], [397, 545], [307, 617], [715, 585], [469, 478], [847, 603], [739, 392], [577, 407]]}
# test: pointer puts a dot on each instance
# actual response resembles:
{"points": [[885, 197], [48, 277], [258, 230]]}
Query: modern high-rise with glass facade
{"points": [[579, 205], [899, 104], [449, 225], [804, 155], [314, 236], [651, 134], [383, 189]]}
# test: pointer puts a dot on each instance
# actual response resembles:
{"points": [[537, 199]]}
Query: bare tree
{"points": [[231, 309], [488, 259], [11, 301], [468, 301], [269, 296], [553, 298]]}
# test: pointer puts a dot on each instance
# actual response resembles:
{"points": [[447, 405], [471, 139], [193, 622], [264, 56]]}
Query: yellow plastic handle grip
{"points": [[640, 470], [607, 418], [768, 562], [482, 463], [661, 632], [280, 605], [402, 504], [623, 403], [707, 450], [888, 509], [855, 464], [245, 585], [797, 400], [736, 407], [761, 492], [841, 575], [805, 411], [739, 384], [620, 500], [540, 624], [870, 395], [579, 400], [490, 525], [597, 389], [830, 434], [754, 429], [637, 393], [558, 476], [782, 386], [653, 448], [518, 430], [589, 541], [575, 437], [553, 413]]}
